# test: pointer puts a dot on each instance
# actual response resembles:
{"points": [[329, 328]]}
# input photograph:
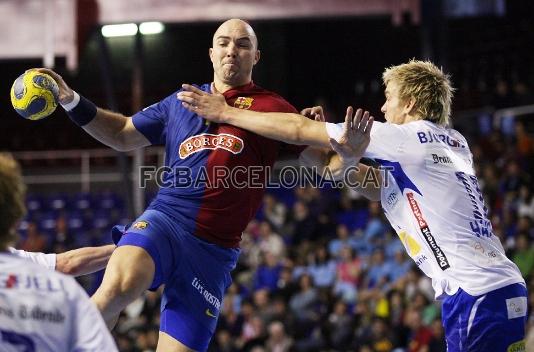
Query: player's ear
{"points": [[257, 57], [410, 103], [210, 53]]}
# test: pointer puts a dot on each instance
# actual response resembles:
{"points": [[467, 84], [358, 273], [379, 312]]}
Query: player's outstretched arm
{"points": [[113, 129], [84, 260], [285, 127], [350, 148]]}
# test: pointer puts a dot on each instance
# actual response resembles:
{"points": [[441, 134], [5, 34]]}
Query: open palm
{"points": [[356, 136]]}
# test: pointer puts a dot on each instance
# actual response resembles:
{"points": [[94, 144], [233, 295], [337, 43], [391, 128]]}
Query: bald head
{"points": [[234, 54], [237, 26]]}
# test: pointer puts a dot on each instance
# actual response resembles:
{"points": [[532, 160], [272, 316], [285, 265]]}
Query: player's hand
{"points": [[209, 106], [356, 136], [66, 94], [315, 113]]}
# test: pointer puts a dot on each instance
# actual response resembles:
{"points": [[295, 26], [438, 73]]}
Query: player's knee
{"points": [[130, 272]]}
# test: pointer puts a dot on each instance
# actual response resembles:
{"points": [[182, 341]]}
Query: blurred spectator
{"points": [[420, 335], [268, 273], [278, 341], [502, 97], [349, 269], [304, 223], [323, 269], [304, 301], [63, 240], [514, 178], [376, 226], [343, 240], [524, 255], [525, 206], [270, 242], [525, 142], [223, 342], [274, 211], [379, 269], [34, 241], [340, 326]]}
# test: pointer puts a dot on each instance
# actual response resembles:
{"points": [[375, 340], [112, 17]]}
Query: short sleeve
{"points": [[46, 260], [152, 121], [386, 139]]}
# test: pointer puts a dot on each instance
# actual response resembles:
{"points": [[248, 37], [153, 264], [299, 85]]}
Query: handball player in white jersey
{"points": [[430, 195], [40, 310]]}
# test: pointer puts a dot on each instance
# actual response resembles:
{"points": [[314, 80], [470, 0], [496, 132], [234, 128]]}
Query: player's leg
{"points": [[491, 322], [129, 273], [142, 260], [193, 295], [167, 343]]}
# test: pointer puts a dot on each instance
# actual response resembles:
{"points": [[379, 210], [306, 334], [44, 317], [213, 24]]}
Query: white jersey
{"points": [[42, 310], [433, 200], [46, 260]]}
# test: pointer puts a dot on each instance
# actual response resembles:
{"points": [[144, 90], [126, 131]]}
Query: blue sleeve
{"points": [[152, 121]]}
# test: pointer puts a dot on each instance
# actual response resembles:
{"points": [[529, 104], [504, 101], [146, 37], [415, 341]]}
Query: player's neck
{"points": [[411, 118], [223, 86]]}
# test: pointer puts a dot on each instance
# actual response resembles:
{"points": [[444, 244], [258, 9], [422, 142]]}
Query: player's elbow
{"points": [[67, 265]]}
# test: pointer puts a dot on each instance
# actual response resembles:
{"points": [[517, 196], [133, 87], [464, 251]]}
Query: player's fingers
{"points": [[369, 126], [186, 98], [363, 122], [49, 72], [348, 120], [190, 88], [188, 106], [318, 117], [356, 120], [306, 112], [318, 110]]}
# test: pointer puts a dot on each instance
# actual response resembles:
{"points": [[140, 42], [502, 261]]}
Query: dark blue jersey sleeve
{"points": [[152, 121]]}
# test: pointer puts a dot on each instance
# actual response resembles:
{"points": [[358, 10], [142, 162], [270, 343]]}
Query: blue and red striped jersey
{"points": [[199, 190]]}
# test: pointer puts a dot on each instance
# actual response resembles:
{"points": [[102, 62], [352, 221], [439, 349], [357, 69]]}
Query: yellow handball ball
{"points": [[34, 95]]}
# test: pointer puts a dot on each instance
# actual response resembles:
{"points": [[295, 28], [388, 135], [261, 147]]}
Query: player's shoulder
{"points": [[12, 263], [276, 101], [172, 97]]}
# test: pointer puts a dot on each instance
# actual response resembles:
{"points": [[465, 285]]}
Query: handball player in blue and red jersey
{"points": [[188, 237]]}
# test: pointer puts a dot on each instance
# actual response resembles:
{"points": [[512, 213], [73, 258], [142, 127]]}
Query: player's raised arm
{"points": [[285, 127], [113, 129]]}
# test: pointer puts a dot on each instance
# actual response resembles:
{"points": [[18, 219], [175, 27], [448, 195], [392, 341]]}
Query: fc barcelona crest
{"points": [[140, 225], [243, 103]]}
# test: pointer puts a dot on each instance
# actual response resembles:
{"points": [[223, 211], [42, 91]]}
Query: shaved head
{"points": [[234, 54], [237, 25]]}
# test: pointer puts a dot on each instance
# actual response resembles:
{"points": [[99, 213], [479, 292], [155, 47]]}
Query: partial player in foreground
{"points": [[431, 197], [40, 310]]}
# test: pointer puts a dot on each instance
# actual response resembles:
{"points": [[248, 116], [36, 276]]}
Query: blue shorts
{"points": [[195, 273], [492, 322]]}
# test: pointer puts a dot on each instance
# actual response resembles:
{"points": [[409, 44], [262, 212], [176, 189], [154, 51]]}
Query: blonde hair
{"points": [[12, 192], [427, 85]]}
